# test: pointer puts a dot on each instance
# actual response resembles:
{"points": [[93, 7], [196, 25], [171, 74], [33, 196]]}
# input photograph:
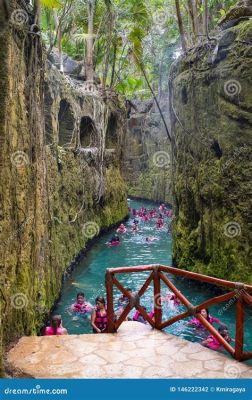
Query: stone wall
{"points": [[147, 159], [211, 126], [60, 176]]}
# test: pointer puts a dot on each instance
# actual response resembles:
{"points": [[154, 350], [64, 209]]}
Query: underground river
{"points": [[89, 278]]}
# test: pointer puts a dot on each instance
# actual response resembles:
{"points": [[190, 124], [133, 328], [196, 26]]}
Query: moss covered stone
{"points": [[50, 192], [212, 99]]}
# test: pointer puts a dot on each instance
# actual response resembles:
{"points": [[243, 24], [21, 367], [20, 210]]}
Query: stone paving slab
{"points": [[136, 351]]}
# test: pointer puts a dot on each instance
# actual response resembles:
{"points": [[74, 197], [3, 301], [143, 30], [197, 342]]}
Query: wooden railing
{"points": [[240, 293]]}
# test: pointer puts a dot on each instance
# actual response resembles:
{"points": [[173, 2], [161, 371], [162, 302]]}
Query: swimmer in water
{"points": [[56, 327], [81, 307], [150, 239], [172, 298], [212, 343], [122, 229], [115, 240], [159, 222], [139, 317], [205, 314], [134, 228], [123, 301]]}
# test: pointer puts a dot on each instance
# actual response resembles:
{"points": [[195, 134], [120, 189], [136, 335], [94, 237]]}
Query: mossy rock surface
{"points": [[212, 97], [147, 157], [53, 198]]}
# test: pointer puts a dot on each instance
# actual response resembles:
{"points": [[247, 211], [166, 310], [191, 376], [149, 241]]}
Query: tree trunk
{"points": [[194, 20], [109, 40], [89, 61], [181, 27], [59, 38], [205, 20], [113, 65], [37, 12]]}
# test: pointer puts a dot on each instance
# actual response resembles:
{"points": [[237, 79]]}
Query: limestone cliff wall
{"points": [[211, 125], [60, 177], [147, 155]]}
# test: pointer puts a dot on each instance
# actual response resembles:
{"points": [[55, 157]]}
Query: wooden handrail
{"points": [[241, 294], [205, 278], [184, 273]]}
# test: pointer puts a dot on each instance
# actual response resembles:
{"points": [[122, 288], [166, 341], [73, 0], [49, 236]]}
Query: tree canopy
{"points": [[117, 39]]}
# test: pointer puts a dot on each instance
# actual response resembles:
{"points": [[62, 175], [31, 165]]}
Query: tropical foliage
{"points": [[117, 39]]}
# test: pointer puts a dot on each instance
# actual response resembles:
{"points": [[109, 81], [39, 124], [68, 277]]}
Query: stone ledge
{"points": [[136, 351]]}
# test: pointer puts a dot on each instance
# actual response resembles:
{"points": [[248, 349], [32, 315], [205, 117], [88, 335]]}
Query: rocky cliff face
{"points": [[211, 101], [60, 175], [147, 154]]}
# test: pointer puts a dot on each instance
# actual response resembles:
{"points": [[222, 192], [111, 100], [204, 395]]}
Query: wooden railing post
{"points": [[239, 334], [157, 299], [110, 305]]}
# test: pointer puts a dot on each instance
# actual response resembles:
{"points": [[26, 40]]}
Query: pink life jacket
{"points": [[137, 316], [101, 321], [115, 243], [211, 320], [214, 344], [49, 331], [81, 308]]}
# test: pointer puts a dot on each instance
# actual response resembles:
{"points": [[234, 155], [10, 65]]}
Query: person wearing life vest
{"points": [[81, 307], [122, 229], [114, 241], [99, 319], [56, 327], [140, 318], [204, 312], [213, 343]]}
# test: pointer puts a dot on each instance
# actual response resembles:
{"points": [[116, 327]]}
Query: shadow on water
{"points": [[89, 277]]}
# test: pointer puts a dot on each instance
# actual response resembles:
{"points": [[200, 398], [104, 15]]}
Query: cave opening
{"points": [[88, 136], [111, 134], [66, 123]]}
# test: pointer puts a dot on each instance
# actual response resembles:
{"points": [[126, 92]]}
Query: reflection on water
{"points": [[133, 250]]}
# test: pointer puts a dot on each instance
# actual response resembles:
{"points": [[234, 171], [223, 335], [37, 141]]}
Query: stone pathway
{"points": [[136, 351]]}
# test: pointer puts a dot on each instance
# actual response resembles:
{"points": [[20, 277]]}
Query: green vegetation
{"points": [[114, 39]]}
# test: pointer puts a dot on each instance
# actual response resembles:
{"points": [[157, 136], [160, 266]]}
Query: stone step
{"points": [[136, 351]]}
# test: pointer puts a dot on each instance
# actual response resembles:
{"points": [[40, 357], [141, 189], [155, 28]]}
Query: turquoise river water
{"points": [[89, 277]]}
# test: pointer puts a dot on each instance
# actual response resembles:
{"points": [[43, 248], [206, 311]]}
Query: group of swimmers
{"points": [[211, 341], [148, 215], [145, 216], [99, 317]]}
